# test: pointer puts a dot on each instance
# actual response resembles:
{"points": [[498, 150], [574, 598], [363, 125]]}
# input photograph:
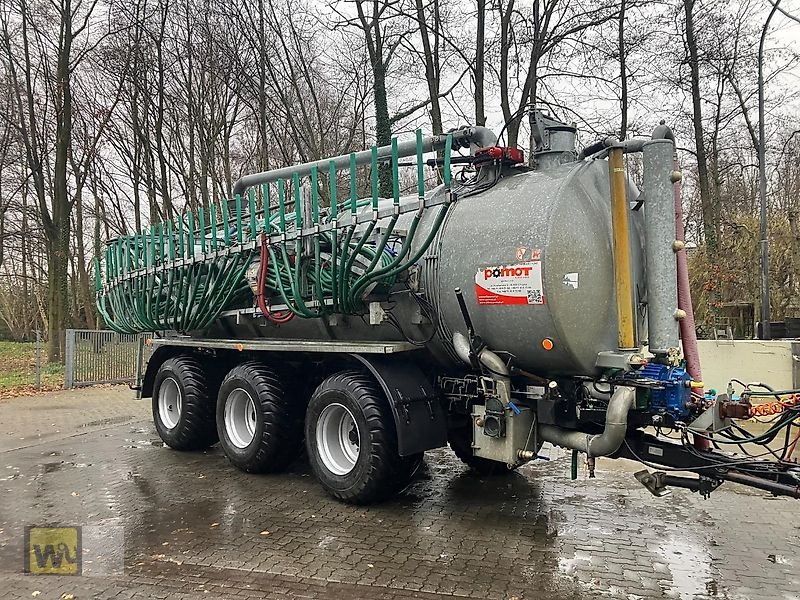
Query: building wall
{"points": [[770, 362]]}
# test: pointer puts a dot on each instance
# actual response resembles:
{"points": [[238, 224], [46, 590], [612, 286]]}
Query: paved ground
{"points": [[192, 526]]}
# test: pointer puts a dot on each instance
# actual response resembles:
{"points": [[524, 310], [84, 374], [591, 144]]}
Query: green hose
{"points": [[164, 277]]}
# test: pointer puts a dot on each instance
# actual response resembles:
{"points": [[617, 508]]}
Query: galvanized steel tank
{"points": [[555, 223]]}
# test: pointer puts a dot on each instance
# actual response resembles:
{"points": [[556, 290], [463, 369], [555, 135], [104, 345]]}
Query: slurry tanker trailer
{"points": [[506, 307]]}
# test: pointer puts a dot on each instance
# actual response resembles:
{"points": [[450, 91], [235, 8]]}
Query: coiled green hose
{"points": [[174, 277]]}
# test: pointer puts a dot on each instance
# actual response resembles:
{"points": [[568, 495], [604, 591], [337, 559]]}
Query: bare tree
{"points": [[710, 217], [529, 39]]}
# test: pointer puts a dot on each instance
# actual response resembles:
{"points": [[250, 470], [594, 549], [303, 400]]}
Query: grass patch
{"points": [[18, 369]]}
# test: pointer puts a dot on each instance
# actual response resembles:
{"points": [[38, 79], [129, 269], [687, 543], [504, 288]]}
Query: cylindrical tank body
{"points": [[559, 222], [533, 257]]}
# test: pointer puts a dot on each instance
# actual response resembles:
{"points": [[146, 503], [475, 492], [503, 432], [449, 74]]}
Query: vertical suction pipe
{"points": [[622, 254], [687, 326], [660, 244]]}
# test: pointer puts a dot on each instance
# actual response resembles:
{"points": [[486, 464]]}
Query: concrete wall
{"points": [[749, 360]]}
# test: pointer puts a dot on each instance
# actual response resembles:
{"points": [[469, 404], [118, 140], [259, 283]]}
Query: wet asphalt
{"points": [[163, 524]]}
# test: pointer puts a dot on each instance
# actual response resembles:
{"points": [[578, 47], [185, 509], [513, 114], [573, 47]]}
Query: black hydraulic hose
{"points": [[779, 489], [593, 149]]}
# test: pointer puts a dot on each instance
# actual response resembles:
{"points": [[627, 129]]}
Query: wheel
{"points": [[351, 440], [460, 440], [182, 411], [260, 423]]}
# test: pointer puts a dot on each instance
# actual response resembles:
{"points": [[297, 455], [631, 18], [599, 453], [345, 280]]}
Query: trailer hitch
{"points": [[658, 483], [779, 479]]}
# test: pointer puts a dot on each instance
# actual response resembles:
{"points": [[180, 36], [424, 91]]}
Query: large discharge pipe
{"points": [[464, 137], [659, 225], [608, 442]]}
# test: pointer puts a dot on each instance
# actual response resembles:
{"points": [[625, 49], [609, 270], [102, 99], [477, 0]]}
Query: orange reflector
{"points": [[547, 344], [240, 347]]}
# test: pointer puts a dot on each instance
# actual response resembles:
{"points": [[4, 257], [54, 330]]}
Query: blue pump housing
{"points": [[673, 392]]}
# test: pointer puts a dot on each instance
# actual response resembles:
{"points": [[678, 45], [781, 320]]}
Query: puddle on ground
{"points": [[142, 443], [568, 566], [52, 467], [108, 421], [690, 566]]}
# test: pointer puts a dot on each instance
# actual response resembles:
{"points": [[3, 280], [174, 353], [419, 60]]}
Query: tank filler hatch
{"points": [[555, 141]]}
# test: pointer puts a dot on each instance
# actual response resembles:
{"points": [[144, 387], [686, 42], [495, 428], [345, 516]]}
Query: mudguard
{"points": [[418, 414]]}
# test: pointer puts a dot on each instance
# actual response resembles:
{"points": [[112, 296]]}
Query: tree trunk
{"points": [[531, 139], [263, 151], [57, 299], [24, 255], [166, 196], [59, 233], [505, 48], [83, 275], [383, 127], [431, 72], [99, 217], [480, 64], [706, 202], [373, 36]]}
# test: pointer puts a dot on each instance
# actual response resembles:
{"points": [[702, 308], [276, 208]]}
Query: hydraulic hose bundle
{"points": [[183, 277], [175, 279], [346, 264]]}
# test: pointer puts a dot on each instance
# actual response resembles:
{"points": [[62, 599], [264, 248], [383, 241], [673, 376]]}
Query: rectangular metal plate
{"points": [[289, 345]]}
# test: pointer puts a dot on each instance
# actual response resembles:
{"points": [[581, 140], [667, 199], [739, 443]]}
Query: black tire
{"points": [[378, 471], [277, 414], [460, 440], [189, 424]]}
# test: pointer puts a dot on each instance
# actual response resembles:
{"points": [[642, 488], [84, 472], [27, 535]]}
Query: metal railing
{"points": [[99, 356]]}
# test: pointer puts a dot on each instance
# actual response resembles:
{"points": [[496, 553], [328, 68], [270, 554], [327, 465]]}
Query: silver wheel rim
{"points": [[240, 418], [337, 439], [170, 403]]}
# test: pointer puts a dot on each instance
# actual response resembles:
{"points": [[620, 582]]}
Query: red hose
{"points": [[687, 328], [263, 268]]}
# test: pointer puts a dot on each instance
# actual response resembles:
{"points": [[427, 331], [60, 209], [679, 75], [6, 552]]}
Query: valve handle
{"points": [[465, 313]]}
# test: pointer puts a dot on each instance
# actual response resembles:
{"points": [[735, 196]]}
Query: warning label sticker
{"points": [[510, 284]]}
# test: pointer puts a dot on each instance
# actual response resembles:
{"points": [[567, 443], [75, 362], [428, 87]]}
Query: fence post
{"points": [[69, 360], [38, 359]]}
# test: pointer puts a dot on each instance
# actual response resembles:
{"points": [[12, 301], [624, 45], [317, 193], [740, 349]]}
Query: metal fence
{"points": [[94, 356]]}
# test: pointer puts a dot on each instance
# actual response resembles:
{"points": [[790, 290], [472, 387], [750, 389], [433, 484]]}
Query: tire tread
{"points": [[196, 429], [387, 471], [282, 434]]}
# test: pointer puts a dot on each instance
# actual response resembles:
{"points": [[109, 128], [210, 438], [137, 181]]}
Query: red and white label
{"points": [[510, 284]]}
